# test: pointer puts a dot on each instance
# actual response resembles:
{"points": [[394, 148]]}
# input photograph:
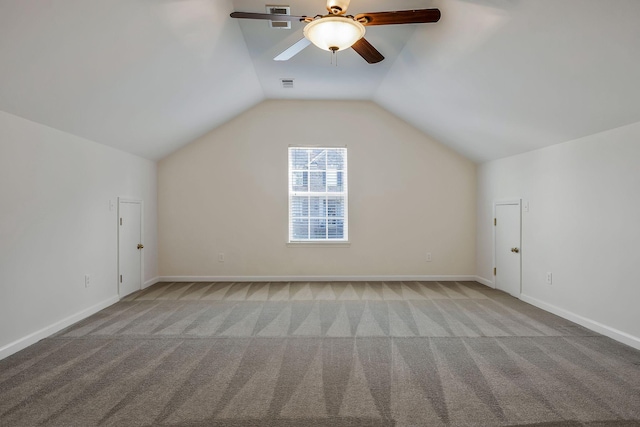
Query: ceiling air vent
{"points": [[280, 10], [287, 83]]}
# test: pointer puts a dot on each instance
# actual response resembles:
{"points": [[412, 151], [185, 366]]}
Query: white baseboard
{"points": [[150, 282], [485, 282], [315, 278], [598, 327], [34, 337]]}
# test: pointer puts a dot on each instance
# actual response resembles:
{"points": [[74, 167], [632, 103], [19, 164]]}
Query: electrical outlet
{"points": [[549, 278], [428, 257], [221, 257], [87, 280]]}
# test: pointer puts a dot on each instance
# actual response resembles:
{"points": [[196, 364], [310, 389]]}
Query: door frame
{"points": [[141, 203], [496, 203]]}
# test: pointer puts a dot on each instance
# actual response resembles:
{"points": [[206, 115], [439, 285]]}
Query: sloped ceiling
{"points": [[144, 76], [504, 77], [493, 78]]}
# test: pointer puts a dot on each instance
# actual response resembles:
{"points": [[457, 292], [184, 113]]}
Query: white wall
{"points": [[56, 226], [227, 192], [583, 226]]}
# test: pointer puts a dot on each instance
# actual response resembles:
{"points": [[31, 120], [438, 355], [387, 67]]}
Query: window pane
{"points": [[300, 181], [335, 228], [299, 206], [334, 181], [299, 228], [318, 159], [322, 171], [335, 159], [318, 181], [299, 158], [318, 228], [335, 207], [318, 207]]}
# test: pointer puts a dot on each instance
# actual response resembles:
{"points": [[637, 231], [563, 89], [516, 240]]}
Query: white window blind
{"points": [[318, 194]]}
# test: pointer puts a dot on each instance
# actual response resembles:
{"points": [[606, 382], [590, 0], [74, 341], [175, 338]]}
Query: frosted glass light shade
{"points": [[334, 32]]}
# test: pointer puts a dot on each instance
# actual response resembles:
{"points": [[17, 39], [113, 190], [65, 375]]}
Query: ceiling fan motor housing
{"points": [[337, 7]]}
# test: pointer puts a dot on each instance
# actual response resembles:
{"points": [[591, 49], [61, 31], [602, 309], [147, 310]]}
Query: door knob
{"points": [[140, 246], [515, 250]]}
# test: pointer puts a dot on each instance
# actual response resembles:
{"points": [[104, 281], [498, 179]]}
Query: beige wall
{"points": [[227, 192]]}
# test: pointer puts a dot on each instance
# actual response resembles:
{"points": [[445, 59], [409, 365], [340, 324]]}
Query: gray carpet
{"points": [[322, 354]]}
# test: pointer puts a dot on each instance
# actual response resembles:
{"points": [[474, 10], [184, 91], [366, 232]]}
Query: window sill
{"points": [[318, 244]]}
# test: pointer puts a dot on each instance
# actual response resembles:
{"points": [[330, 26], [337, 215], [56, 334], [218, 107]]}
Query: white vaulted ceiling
{"points": [[493, 78], [144, 76]]}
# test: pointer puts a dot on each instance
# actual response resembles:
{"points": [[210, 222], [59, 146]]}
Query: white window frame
{"points": [[343, 194]]}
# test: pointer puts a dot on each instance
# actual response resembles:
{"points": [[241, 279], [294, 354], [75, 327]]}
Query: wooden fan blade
{"points": [[293, 50], [267, 16], [419, 16], [367, 51]]}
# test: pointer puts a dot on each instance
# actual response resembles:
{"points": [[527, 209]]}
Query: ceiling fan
{"points": [[338, 31]]}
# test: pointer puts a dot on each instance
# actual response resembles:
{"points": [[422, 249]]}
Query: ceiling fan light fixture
{"points": [[334, 33]]}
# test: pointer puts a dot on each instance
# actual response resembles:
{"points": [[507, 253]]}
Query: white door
{"points": [[129, 246], [507, 247]]}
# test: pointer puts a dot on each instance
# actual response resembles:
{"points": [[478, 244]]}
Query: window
{"points": [[317, 194]]}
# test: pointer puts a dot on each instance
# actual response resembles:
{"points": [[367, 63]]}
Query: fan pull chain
{"points": [[334, 54]]}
